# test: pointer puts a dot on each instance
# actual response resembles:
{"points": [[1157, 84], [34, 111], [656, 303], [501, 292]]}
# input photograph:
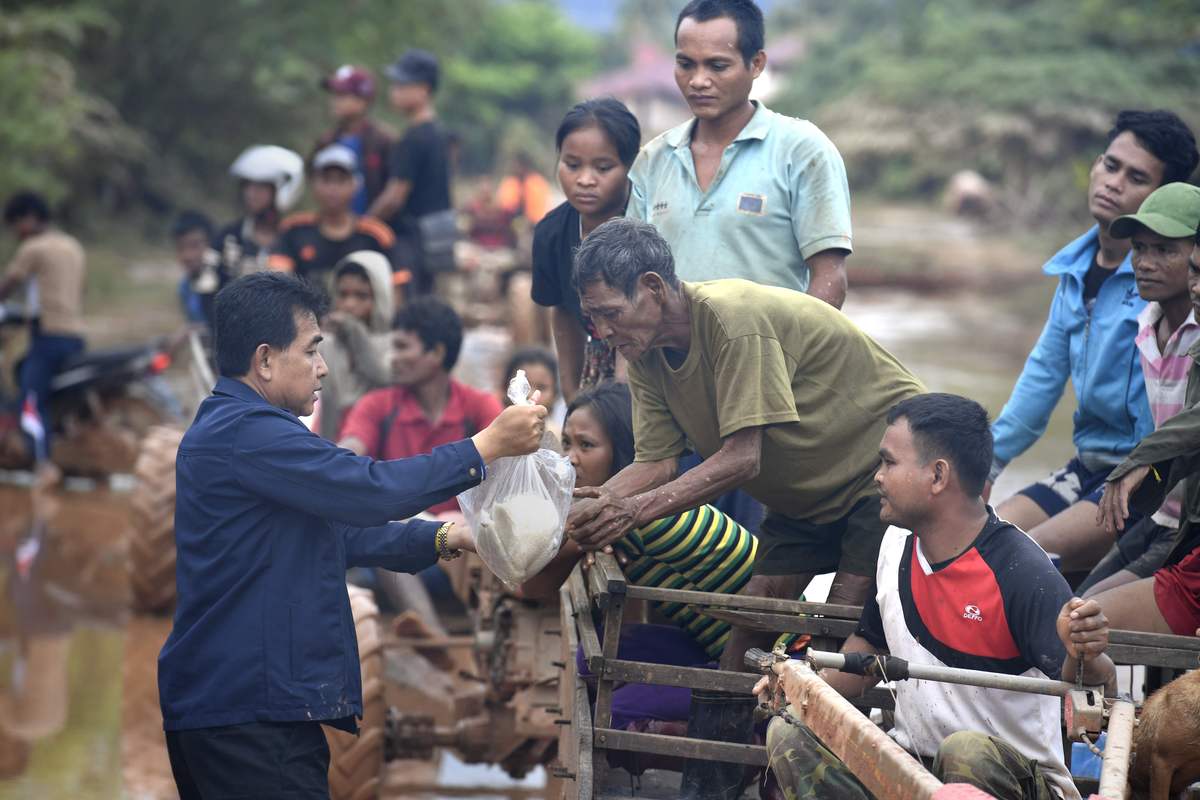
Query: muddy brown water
{"points": [[78, 703]]}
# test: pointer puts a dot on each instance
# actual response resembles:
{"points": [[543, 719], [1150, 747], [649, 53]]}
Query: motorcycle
{"points": [[102, 402]]}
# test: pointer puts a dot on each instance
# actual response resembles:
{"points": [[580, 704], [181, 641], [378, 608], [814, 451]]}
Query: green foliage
{"points": [[55, 133], [922, 88], [515, 73], [172, 92]]}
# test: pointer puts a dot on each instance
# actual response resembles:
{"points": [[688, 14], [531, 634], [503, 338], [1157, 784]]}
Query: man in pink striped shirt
{"points": [[1163, 232]]}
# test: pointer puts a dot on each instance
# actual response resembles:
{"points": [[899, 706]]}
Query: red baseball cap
{"points": [[349, 79]]}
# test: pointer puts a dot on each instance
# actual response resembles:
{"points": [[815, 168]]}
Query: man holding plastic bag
{"points": [[781, 394], [268, 518], [519, 511]]}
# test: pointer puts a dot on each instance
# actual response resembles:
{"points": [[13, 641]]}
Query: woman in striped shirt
{"points": [[699, 550]]}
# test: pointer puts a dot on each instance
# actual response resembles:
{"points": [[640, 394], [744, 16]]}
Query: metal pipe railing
{"points": [[891, 668]]}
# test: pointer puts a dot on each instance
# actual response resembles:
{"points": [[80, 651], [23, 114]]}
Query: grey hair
{"points": [[619, 252]]}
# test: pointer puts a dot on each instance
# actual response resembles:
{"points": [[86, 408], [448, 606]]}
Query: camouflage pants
{"points": [[807, 770]]}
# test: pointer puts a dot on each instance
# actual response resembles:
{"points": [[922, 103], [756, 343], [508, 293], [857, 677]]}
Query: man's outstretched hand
{"points": [[598, 517], [1114, 505], [516, 432]]}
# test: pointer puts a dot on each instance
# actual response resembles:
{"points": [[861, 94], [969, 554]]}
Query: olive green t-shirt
{"points": [[767, 357]]}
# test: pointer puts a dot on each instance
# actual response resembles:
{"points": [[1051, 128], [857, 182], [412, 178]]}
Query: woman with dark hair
{"points": [[597, 143], [699, 550]]}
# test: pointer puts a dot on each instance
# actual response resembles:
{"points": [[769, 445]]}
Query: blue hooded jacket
{"points": [[1095, 351]]}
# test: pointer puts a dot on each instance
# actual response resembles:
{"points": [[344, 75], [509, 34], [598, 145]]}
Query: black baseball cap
{"points": [[415, 66]]}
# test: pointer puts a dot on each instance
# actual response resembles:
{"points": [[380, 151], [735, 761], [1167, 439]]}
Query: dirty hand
{"points": [[1083, 628], [1114, 505], [598, 518], [516, 432], [589, 558], [762, 689]]}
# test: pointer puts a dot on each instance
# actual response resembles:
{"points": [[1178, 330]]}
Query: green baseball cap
{"points": [[1172, 211]]}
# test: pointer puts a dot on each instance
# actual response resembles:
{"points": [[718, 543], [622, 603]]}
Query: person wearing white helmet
{"points": [[270, 181]]}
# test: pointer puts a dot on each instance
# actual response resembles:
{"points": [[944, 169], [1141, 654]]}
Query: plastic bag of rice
{"points": [[519, 511]]}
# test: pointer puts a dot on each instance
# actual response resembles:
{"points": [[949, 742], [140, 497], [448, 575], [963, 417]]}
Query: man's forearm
{"points": [[827, 276], [642, 476], [735, 463]]}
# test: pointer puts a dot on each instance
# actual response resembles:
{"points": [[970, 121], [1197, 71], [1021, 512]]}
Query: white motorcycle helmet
{"points": [[268, 163]]}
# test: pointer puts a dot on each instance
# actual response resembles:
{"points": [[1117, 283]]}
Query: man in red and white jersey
{"points": [[963, 589]]}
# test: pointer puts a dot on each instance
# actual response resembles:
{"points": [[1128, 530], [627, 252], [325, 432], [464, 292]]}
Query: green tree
{"points": [[55, 134], [914, 90]]}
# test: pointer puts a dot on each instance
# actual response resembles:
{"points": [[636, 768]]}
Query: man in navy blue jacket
{"points": [[268, 517]]}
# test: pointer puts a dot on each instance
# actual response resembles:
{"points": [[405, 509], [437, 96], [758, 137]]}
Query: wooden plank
{"points": [[883, 767], [1162, 640], [608, 648], [583, 618], [596, 585], [1153, 656], [602, 718], [607, 738], [585, 774], [568, 736], [785, 623], [611, 578], [743, 602], [689, 677]]}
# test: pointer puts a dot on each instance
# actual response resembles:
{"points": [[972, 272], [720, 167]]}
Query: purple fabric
{"points": [[657, 644]]}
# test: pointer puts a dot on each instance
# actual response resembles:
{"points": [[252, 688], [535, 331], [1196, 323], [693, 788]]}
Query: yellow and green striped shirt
{"points": [[700, 550]]}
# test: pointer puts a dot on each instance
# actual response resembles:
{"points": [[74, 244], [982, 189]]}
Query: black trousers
{"points": [[284, 760]]}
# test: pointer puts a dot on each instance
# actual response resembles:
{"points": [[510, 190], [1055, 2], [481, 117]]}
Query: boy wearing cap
{"points": [[352, 91], [311, 244], [1088, 338], [419, 165], [1162, 232]]}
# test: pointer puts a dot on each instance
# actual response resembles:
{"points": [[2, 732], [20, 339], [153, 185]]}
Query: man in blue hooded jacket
{"points": [[1089, 338]]}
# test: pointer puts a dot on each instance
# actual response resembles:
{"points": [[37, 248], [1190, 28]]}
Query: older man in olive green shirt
{"points": [[781, 394]]}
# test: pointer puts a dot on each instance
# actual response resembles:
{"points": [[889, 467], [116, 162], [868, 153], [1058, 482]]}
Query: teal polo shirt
{"points": [[779, 197]]}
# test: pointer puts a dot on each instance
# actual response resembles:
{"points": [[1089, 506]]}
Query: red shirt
{"points": [[409, 432]]}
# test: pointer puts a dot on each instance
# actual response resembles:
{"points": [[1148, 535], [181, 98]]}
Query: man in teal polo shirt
{"points": [[740, 191]]}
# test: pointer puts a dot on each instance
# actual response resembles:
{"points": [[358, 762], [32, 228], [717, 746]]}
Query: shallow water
{"points": [[78, 708]]}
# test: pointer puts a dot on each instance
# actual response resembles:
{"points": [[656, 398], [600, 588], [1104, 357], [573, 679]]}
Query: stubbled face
{"points": [[1122, 177], [591, 173], [709, 69], [412, 364], [190, 249], [542, 380], [296, 372], [348, 107], [587, 445], [333, 189], [1160, 265], [903, 480], [1194, 277], [353, 296], [257, 198], [630, 325]]}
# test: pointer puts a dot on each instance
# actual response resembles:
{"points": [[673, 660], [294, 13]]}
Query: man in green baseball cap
{"points": [[1163, 232]]}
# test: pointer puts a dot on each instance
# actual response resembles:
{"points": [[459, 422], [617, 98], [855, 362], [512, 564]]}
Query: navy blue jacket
{"points": [[268, 516]]}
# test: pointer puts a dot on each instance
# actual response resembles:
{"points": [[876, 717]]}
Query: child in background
{"points": [[597, 142], [358, 336], [541, 369], [203, 273]]}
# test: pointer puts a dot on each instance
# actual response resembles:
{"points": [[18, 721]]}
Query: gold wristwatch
{"points": [[440, 543]]}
